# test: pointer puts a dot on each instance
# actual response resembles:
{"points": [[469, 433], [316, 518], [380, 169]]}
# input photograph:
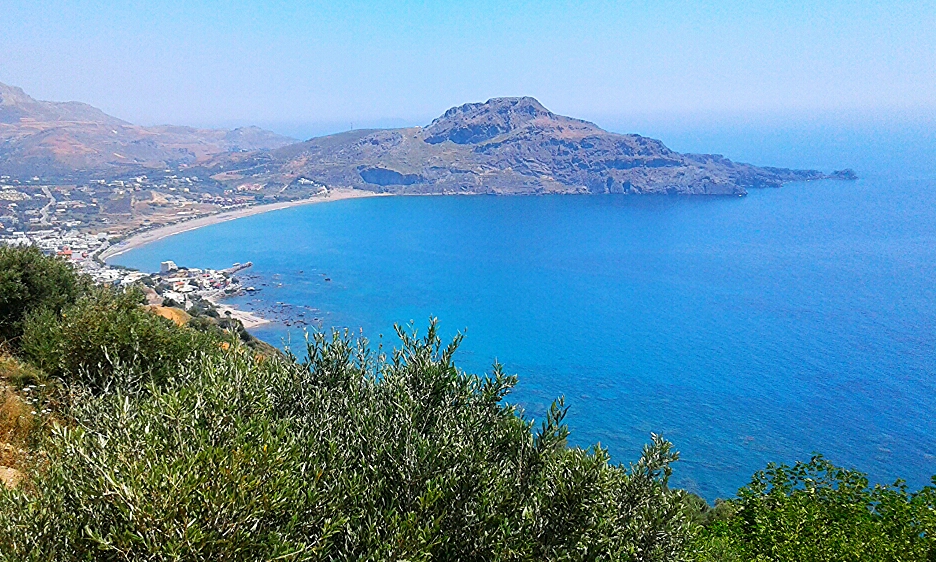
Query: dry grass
{"points": [[18, 419], [16, 423], [179, 316]]}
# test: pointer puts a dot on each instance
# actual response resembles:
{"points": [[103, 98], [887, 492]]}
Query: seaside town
{"points": [[70, 222], [183, 287], [121, 205]]}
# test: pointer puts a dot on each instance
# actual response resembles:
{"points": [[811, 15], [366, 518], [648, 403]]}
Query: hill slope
{"points": [[76, 140], [505, 145]]}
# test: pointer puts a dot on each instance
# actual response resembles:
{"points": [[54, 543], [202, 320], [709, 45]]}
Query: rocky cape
{"points": [[502, 146]]}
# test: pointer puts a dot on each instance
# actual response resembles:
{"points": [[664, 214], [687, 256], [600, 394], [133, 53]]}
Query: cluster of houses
{"points": [[80, 248], [183, 285]]}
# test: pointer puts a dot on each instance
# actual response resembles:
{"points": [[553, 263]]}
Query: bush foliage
{"points": [[31, 281], [107, 338], [819, 512]]}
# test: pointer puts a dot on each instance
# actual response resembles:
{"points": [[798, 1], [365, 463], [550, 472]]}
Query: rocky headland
{"points": [[502, 146]]}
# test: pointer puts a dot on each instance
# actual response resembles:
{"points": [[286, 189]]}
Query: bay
{"points": [[745, 330]]}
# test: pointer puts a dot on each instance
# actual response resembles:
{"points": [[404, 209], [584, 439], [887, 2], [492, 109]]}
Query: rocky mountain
{"points": [[16, 105], [505, 145], [74, 140]]}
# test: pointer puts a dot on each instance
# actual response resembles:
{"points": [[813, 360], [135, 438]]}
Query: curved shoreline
{"points": [[149, 236]]}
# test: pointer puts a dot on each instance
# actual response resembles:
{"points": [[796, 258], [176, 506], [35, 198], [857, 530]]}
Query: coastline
{"points": [[249, 320], [149, 236]]}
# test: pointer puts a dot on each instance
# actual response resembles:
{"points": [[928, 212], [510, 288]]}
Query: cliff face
{"points": [[505, 145]]}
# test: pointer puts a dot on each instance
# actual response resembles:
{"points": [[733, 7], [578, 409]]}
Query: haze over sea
{"points": [[746, 330]]}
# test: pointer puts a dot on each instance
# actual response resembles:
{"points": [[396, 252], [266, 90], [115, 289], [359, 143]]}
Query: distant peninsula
{"points": [[502, 146]]}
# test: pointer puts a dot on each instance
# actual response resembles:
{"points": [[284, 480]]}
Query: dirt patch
{"points": [[10, 477], [152, 298]]}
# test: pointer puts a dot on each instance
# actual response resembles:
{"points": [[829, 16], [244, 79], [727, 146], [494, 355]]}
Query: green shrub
{"points": [[106, 337], [30, 281], [347, 456], [819, 512]]}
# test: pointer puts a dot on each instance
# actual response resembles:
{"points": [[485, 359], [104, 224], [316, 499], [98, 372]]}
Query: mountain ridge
{"points": [[74, 140], [15, 104]]}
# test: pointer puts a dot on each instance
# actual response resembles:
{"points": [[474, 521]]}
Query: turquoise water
{"points": [[745, 330]]}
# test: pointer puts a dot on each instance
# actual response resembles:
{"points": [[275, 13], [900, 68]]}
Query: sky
{"points": [[305, 67]]}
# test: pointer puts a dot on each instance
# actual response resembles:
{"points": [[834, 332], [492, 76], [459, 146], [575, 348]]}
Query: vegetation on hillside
{"points": [[819, 512], [107, 337], [30, 282], [134, 438]]}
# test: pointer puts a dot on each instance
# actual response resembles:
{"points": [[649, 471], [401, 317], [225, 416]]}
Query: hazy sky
{"points": [[323, 65]]}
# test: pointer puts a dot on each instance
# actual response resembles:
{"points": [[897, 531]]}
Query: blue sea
{"points": [[744, 329]]}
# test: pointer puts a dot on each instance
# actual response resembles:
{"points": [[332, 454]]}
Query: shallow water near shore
{"points": [[745, 330]]}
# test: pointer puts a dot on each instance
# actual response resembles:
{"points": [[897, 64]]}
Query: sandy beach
{"points": [[247, 319], [158, 233]]}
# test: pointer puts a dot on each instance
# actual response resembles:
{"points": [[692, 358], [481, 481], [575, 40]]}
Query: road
{"points": [[44, 213]]}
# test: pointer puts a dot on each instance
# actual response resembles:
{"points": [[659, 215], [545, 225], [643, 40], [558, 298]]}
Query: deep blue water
{"points": [[745, 330]]}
